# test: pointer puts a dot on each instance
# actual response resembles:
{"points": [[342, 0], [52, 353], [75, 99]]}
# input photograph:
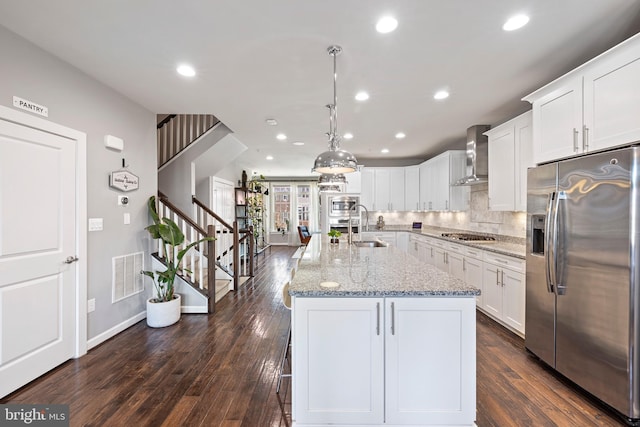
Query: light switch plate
{"points": [[127, 218], [95, 224]]}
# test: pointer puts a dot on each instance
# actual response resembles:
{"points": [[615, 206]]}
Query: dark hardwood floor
{"points": [[221, 370]]}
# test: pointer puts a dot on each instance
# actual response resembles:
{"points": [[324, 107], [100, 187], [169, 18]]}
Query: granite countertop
{"points": [[370, 272], [504, 245]]}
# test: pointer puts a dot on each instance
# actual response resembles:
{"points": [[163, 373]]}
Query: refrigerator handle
{"points": [[548, 247], [560, 289]]}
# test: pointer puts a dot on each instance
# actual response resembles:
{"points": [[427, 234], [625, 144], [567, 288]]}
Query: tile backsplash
{"points": [[478, 218]]}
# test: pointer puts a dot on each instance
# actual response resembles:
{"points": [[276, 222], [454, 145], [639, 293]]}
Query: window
{"points": [[281, 208], [304, 204]]}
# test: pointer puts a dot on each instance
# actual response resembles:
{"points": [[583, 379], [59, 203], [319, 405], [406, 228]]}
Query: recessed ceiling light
{"points": [[441, 94], [384, 150], [400, 135], [298, 143], [269, 157], [281, 136], [386, 24], [362, 96], [348, 135], [272, 122], [515, 22], [186, 70]]}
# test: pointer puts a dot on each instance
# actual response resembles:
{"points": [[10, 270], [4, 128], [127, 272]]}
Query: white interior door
{"points": [[37, 234]]}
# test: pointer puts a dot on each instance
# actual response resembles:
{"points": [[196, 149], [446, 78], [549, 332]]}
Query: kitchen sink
{"points": [[371, 244]]}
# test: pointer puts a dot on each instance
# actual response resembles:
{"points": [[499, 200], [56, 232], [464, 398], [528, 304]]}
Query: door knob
{"points": [[71, 259]]}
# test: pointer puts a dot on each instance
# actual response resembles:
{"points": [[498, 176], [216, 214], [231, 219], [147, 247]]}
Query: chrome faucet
{"points": [[353, 208]]}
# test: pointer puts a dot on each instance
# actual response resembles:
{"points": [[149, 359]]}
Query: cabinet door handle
{"points": [[393, 319], [575, 140], [585, 138], [497, 277], [431, 251], [417, 206], [377, 318], [446, 205], [464, 264], [502, 278]]}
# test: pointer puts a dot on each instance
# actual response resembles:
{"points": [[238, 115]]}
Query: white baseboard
{"points": [[194, 309], [99, 339]]}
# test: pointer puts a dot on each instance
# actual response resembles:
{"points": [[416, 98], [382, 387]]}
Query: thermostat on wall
{"points": [[113, 142]]}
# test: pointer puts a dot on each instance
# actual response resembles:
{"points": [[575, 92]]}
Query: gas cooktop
{"points": [[468, 237]]}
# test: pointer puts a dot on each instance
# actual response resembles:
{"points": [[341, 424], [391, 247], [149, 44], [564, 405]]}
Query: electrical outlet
{"points": [[91, 305]]}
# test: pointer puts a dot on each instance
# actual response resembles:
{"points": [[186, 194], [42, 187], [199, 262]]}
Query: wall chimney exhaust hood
{"points": [[477, 156]]}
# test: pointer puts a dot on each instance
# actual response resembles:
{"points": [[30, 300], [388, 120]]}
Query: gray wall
{"points": [[82, 103], [175, 179]]}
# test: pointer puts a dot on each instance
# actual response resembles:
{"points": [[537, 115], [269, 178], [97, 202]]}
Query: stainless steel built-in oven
{"points": [[339, 206]]}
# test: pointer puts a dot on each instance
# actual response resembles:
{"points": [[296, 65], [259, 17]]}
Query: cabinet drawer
{"points": [[417, 238], [511, 263], [454, 247], [474, 253], [439, 243]]}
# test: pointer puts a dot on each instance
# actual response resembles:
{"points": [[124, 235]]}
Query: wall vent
{"points": [[126, 277]]}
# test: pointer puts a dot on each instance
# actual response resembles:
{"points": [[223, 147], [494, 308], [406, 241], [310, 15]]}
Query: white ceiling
{"points": [[259, 59]]}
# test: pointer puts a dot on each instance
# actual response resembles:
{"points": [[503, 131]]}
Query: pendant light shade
{"points": [[328, 180], [335, 160]]}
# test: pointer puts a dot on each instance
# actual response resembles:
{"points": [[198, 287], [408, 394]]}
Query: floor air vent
{"points": [[127, 279]]}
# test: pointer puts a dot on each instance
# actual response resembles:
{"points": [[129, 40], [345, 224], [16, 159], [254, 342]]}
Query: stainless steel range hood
{"points": [[477, 156]]}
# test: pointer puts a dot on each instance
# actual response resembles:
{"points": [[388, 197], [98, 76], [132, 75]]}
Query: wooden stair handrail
{"points": [[210, 212], [182, 215]]}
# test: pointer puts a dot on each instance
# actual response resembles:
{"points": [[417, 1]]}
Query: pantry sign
{"points": [[32, 107]]}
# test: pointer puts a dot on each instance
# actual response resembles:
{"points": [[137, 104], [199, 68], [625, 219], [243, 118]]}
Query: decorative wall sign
{"points": [[124, 181], [30, 106]]}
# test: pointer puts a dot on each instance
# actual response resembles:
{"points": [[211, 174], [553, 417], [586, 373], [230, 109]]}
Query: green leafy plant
{"points": [[255, 205], [172, 237], [334, 234]]}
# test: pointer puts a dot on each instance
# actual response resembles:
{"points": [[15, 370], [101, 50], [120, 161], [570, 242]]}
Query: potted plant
{"points": [[164, 308], [334, 234]]}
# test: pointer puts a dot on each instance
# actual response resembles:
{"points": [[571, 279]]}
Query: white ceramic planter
{"points": [[161, 314]]}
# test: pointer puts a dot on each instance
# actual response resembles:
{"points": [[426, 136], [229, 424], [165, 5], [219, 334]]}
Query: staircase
{"points": [[213, 268], [177, 131], [233, 246]]}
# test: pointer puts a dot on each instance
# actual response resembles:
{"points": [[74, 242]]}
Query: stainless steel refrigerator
{"points": [[583, 246]]}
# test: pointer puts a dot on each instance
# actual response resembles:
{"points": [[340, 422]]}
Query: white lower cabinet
{"points": [[503, 290], [500, 278], [376, 361], [473, 270]]}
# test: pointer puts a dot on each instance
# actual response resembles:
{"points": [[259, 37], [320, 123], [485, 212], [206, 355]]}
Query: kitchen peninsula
{"points": [[379, 338]]}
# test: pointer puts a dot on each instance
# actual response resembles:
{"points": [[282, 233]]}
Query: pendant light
{"points": [[334, 161], [327, 179]]}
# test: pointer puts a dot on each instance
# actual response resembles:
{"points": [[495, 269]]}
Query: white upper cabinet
{"points": [[612, 100], [367, 182], [436, 178], [383, 189], [412, 188], [354, 182], [510, 154], [594, 107]]}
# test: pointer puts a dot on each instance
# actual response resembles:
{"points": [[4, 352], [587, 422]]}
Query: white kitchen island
{"points": [[393, 344]]}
